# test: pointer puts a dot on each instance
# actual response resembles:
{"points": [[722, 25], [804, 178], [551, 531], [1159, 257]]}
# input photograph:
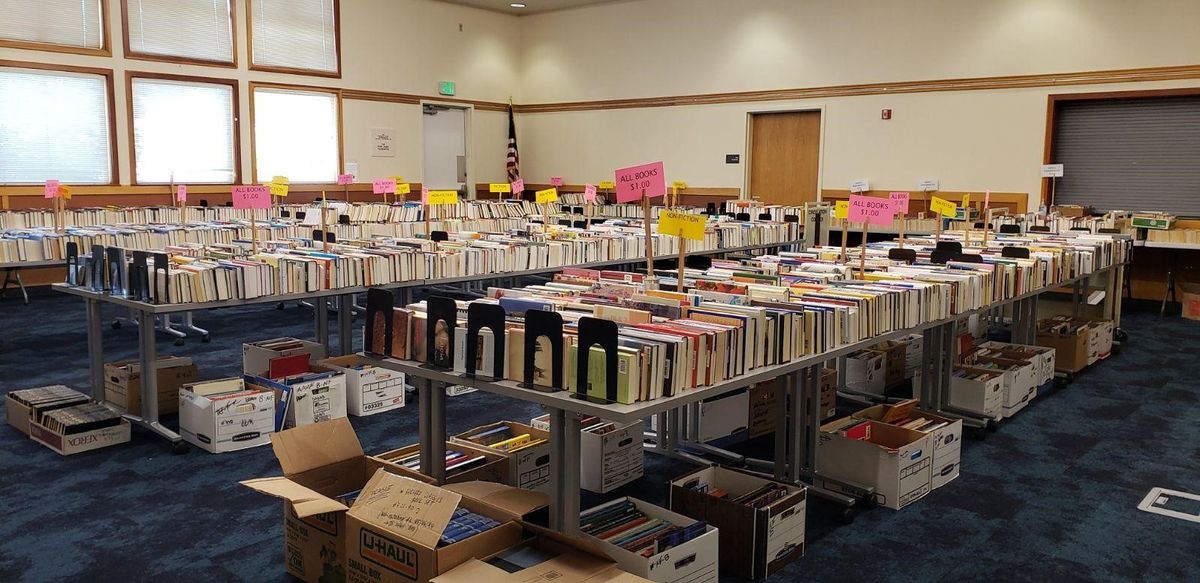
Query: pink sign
{"points": [[556, 181], [899, 202], [181, 193], [51, 189], [518, 186], [987, 198], [424, 195], [251, 197], [383, 186], [589, 192], [349, 179], [868, 209], [632, 182]]}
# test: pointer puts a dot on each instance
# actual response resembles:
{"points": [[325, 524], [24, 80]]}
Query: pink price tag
{"points": [[868, 209], [251, 197], [556, 181], [518, 186], [424, 195], [51, 189], [589, 192], [181, 193], [384, 186], [899, 202], [344, 179], [633, 181]]}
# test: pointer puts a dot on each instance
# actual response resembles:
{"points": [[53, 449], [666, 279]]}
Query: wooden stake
{"points": [[903, 219], [682, 252], [938, 234], [845, 235], [986, 230], [253, 231], [649, 238], [862, 257], [324, 224]]}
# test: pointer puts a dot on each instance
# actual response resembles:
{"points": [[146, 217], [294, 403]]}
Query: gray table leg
{"points": [[346, 324], [564, 471], [424, 429], [431, 424], [148, 357], [796, 405], [781, 427], [814, 416], [321, 316], [95, 339]]}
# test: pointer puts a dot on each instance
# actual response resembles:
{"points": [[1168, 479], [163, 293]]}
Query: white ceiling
{"points": [[531, 6]]}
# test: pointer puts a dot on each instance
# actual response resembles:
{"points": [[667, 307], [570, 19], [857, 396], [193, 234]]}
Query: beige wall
{"points": [[401, 46], [970, 140]]}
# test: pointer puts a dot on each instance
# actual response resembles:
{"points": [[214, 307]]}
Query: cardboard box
{"points": [[724, 416], [528, 467], [495, 469], [393, 529], [1041, 356], [763, 404], [1070, 349], [79, 442], [914, 347], [571, 560], [983, 395], [1019, 380], [1100, 340], [866, 372], [946, 440], [257, 356], [1190, 300], [369, 389], [320, 462], [226, 422], [895, 360], [123, 383], [607, 461], [695, 560], [897, 462], [755, 542], [533, 507], [20, 413], [456, 390], [308, 402]]}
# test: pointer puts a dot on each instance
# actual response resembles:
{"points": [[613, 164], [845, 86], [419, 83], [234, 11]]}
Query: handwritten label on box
{"points": [[685, 225], [383, 186], [545, 196], [868, 209], [634, 181], [943, 207], [251, 197], [899, 201]]}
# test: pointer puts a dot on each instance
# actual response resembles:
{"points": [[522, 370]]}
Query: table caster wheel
{"points": [[992, 426], [116, 325], [179, 342], [1120, 335], [206, 338], [279, 306], [848, 515], [179, 448]]}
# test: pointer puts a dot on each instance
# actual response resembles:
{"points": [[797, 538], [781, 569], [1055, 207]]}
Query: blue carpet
{"points": [[1051, 496]]}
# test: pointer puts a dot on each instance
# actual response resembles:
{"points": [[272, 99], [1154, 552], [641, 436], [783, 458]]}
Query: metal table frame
{"points": [[12, 274]]}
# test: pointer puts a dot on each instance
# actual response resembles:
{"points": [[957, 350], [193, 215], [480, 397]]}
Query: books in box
{"points": [[226, 415], [896, 462]]}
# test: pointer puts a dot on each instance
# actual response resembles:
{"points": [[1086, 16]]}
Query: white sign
{"points": [[860, 186], [1052, 170], [352, 168], [928, 185], [1173, 503], [383, 142]]}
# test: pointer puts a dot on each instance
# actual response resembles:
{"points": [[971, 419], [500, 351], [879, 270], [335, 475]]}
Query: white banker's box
{"points": [[946, 439], [609, 460], [1019, 381], [982, 391], [369, 389], [226, 421], [897, 462], [866, 372], [692, 561], [257, 356], [310, 401]]}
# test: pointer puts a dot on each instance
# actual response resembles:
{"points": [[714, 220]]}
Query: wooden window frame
{"points": [[237, 120], [114, 166], [341, 150], [105, 39], [337, 44], [1054, 99], [134, 55]]}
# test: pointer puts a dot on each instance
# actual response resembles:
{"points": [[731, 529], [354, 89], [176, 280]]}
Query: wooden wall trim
{"points": [[132, 54], [963, 84], [410, 98], [337, 46], [341, 130], [105, 49], [1017, 202]]}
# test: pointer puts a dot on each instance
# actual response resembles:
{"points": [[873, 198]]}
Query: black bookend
{"points": [[300, 215], [791, 218], [566, 208], [577, 210], [742, 216], [764, 216], [722, 208], [438, 236], [96, 276], [602, 333], [595, 221], [579, 224], [700, 262], [549, 325], [490, 316], [538, 221], [228, 204], [343, 219], [72, 263], [330, 237], [318, 235], [139, 280], [564, 222], [161, 263], [115, 264], [377, 337], [204, 203], [710, 208], [442, 316], [285, 214]]}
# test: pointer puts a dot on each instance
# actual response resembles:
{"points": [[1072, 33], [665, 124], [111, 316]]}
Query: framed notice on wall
{"points": [[383, 142]]}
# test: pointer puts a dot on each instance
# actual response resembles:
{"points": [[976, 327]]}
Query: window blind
{"points": [[298, 34], [72, 23], [54, 126], [1130, 154], [194, 29], [183, 130], [296, 135]]}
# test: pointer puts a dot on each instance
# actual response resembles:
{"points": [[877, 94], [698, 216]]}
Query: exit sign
{"points": [[446, 88]]}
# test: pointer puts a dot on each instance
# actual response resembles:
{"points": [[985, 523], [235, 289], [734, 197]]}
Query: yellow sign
{"points": [[64, 191], [684, 225], [966, 200], [679, 185], [942, 207], [403, 188], [398, 179], [443, 197], [607, 184], [280, 180], [499, 187], [548, 195], [841, 209], [278, 189]]}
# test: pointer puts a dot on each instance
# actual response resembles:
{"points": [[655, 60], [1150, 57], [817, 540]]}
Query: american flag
{"points": [[514, 160]]}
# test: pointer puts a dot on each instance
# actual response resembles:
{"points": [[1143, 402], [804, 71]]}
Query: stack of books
{"points": [[627, 527]]}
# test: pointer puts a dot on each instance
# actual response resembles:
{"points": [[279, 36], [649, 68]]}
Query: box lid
{"points": [[512, 500], [312, 446], [305, 501], [416, 511]]}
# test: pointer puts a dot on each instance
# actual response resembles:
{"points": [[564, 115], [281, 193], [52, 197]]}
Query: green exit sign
{"points": [[446, 88]]}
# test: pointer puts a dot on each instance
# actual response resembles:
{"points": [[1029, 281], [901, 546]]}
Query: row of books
{"points": [[625, 526], [456, 461], [761, 497]]}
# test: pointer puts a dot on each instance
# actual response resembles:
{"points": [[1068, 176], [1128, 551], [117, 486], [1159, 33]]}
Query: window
{"points": [[295, 35], [184, 130], [54, 125], [192, 30], [56, 25], [296, 134]]}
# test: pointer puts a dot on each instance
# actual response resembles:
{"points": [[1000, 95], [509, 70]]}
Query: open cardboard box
{"points": [[123, 383], [494, 469], [897, 462], [320, 462], [257, 356], [529, 467], [1019, 384], [694, 560], [946, 440], [369, 389], [310, 401], [559, 558], [983, 395], [1041, 356]]}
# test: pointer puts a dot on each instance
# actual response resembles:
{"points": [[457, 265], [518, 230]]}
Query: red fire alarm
{"points": [[887, 114]]}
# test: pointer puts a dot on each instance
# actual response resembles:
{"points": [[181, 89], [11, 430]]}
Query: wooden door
{"points": [[785, 153]]}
